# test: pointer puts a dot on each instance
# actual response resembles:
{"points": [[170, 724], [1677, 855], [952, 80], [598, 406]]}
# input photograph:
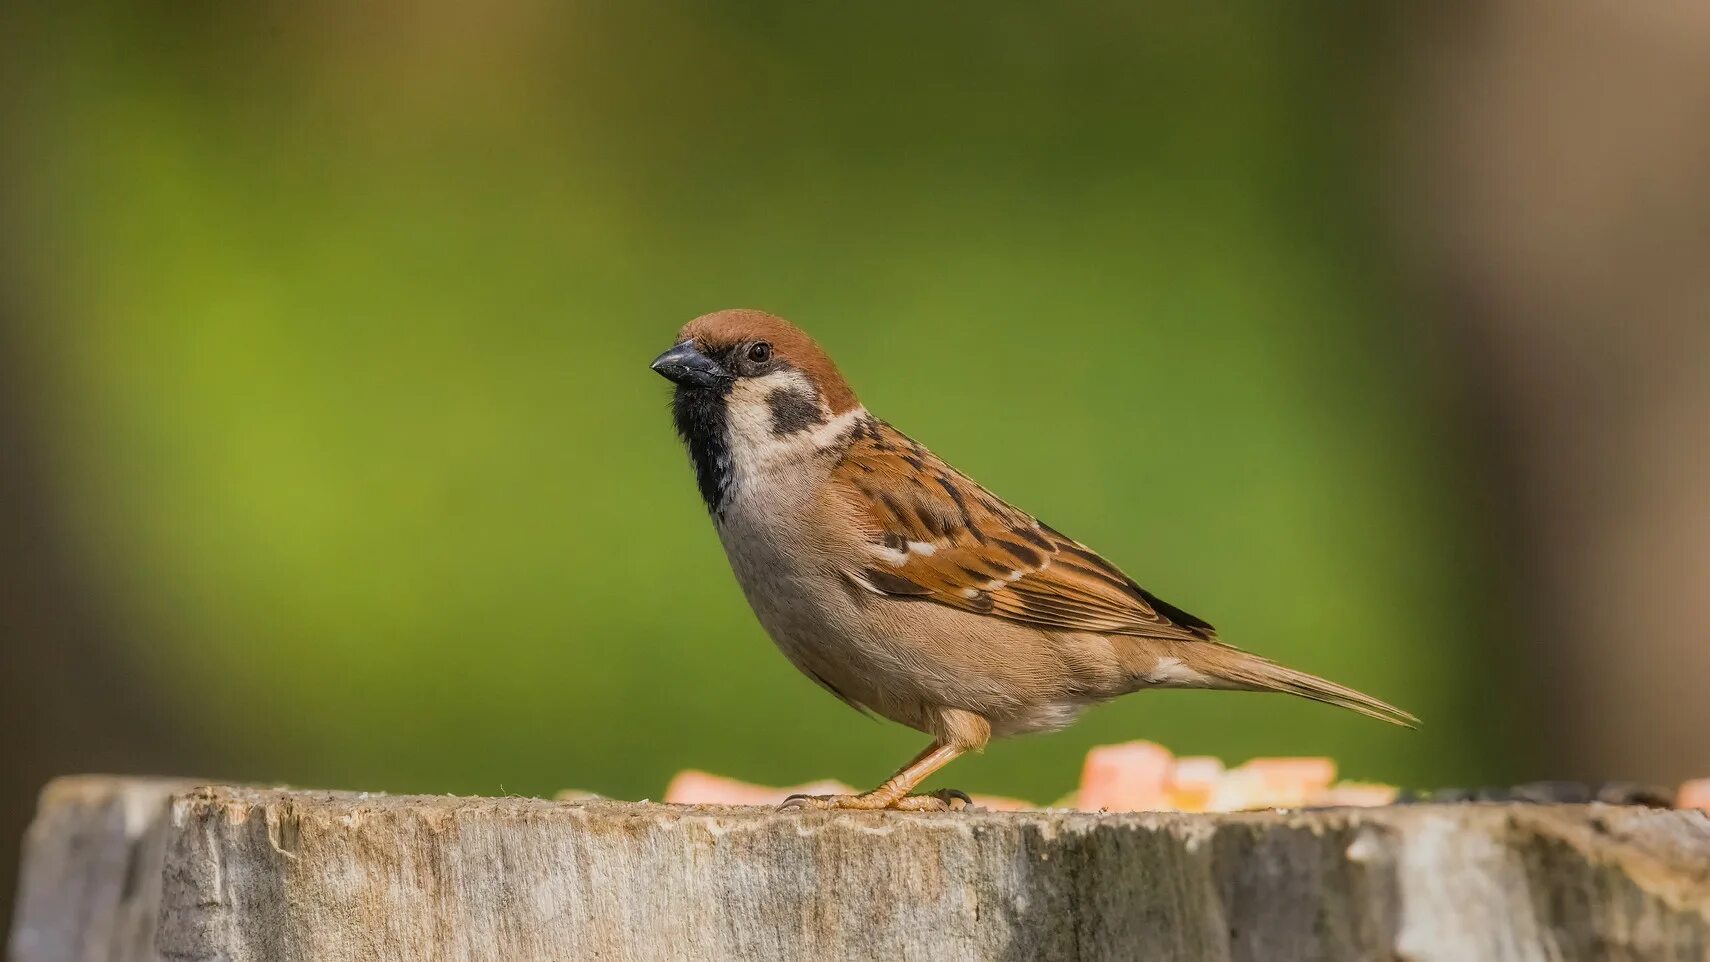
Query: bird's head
{"points": [[756, 364], [752, 389]]}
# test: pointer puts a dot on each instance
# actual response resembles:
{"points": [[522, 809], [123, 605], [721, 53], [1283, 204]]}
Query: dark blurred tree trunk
{"points": [[66, 703], [1555, 183]]}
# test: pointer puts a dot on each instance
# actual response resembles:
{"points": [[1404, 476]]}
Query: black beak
{"points": [[690, 368]]}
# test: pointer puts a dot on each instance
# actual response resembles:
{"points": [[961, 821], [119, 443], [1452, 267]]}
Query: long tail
{"points": [[1249, 672]]}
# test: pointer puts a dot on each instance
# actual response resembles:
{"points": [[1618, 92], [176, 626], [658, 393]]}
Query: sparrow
{"points": [[906, 588]]}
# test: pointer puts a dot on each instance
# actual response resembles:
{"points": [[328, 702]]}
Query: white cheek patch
{"points": [[833, 430], [751, 421], [756, 388], [748, 417]]}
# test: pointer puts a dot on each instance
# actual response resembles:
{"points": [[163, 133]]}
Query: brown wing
{"points": [[938, 536]]}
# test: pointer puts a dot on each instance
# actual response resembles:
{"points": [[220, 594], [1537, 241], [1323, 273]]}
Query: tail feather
{"points": [[1250, 672]]}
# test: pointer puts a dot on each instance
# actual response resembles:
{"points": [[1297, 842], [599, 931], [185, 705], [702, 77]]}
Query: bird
{"points": [[907, 589]]}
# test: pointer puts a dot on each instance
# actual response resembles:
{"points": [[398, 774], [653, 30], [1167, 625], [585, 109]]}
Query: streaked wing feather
{"points": [[938, 536]]}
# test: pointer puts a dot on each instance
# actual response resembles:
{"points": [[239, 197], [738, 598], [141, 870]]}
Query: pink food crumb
{"points": [[1694, 794], [1193, 781], [1292, 781], [1130, 777], [1239, 790]]}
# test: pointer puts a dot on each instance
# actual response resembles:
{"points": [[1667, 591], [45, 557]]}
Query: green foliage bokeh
{"points": [[349, 317]]}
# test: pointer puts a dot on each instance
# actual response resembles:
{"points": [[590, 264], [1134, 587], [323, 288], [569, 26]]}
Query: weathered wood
{"points": [[255, 875], [89, 890], [277, 875]]}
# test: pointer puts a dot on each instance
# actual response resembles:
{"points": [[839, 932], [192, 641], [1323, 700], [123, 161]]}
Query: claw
{"points": [[944, 800]]}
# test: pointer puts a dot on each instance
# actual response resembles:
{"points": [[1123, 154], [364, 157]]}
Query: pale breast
{"points": [[900, 659], [796, 598]]}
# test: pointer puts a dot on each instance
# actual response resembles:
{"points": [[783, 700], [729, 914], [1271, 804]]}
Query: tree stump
{"points": [[250, 875]]}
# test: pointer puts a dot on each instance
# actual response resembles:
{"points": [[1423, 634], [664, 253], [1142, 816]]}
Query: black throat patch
{"points": [[701, 418], [793, 410]]}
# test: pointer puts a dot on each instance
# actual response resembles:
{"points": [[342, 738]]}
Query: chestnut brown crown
{"points": [[745, 337]]}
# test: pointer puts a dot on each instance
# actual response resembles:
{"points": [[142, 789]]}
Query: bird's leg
{"points": [[894, 793]]}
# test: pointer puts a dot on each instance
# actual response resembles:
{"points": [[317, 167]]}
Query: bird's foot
{"points": [[944, 800]]}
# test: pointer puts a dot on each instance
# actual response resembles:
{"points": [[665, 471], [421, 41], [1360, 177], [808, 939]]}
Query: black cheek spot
{"points": [[793, 411]]}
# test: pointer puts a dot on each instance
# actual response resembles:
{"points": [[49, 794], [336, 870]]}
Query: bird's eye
{"points": [[760, 352]]}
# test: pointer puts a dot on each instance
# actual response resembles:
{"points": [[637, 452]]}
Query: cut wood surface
{"points": [[291, 875]]}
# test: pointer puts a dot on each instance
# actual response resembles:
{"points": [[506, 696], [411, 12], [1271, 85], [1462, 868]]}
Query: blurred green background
{"points": [[350, 316], [331, 344]]}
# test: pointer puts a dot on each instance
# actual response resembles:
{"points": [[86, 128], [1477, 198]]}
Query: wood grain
{"points": [[255, 875]]}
